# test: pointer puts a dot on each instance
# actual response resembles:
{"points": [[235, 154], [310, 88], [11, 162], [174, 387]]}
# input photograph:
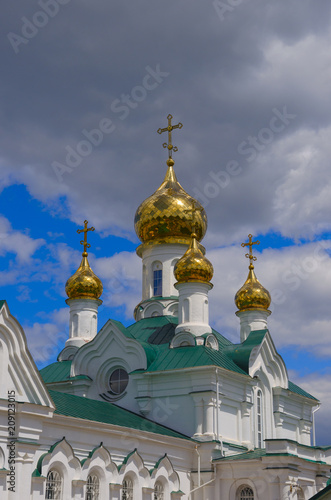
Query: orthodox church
{"points": [[167, 408]]}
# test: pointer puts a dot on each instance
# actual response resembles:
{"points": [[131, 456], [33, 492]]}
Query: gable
{"points": [[18, 371]]}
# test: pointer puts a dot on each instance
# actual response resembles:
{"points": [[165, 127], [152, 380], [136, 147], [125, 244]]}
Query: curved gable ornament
{"points": [[164, 468], [265, 358], [133, 466], [62, 456], [109, 343], [18, 371]]}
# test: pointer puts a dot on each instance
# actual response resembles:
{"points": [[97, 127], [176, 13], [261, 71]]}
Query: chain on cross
{"points": [[84, 241], [169, 129], [195, 208], [250, 255]]}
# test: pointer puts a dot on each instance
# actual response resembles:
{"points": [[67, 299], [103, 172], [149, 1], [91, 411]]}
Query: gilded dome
{"points": [[84, 284], [166, 216], [193, 266], [252, 295]]}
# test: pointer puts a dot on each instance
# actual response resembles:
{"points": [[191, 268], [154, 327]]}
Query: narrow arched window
{"points": [[158, 491], [259, 418], [92, 487], [127, 489], [157, 279], [53, 485], [245, 493]]}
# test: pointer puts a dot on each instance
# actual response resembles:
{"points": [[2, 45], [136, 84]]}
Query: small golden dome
{"points": [[84, 284], [252, 295], [166, 216], [193, 266]]}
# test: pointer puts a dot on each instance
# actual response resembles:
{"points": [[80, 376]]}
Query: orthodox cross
{"points": [[195, 208], [84, 242], [250, 244], [169, 129]]}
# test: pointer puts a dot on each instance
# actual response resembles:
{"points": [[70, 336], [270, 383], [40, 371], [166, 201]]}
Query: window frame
{"points": [[241, 492], [57, 492], [129, 487], [95, 485]]}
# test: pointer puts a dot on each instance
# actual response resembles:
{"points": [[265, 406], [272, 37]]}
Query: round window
{"points": [[118, 381]]}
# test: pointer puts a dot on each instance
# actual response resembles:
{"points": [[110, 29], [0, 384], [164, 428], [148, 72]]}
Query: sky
{"points": [[84, 88]]}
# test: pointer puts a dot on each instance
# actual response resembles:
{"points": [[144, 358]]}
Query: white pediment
{"points": [[264, 358], [18, 371], [110, 347]]}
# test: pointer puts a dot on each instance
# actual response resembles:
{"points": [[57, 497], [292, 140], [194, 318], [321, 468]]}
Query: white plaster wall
{"points": [[167, 254]]}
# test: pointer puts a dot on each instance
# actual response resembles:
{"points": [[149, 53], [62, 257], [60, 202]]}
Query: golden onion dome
{"points": [[193, 266], [252, 295], [166, 216], [84, 284]]}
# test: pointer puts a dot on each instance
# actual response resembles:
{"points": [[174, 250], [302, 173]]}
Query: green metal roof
{"points": [[295, 388], [154, 335], [108, 413], [2, 303], [261, 452], [324, 494], [187, 357], [248, 455], [56, 372], [240, 353], [154, 330]]}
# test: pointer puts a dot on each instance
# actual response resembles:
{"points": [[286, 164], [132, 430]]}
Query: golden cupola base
{"points": [[252, 295], [194, 266], [165, 217], [84, 284], [84, 289], [163, 223], [193, 273], [252, 300]]}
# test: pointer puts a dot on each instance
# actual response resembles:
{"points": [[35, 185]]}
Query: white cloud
{"points": [[16, 242]]}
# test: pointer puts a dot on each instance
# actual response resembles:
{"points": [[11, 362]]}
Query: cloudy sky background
{"points": [[250, 80]]}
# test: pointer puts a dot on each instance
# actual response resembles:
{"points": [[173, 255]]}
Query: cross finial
{"points": [[84, 241], [195, 208], [250, 255], [169, 129]]}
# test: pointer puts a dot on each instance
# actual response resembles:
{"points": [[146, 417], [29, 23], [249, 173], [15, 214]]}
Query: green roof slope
{"points": [[56, 372], [2, 303], [108, 413], [161, 330], [240, 353], [188, 357], [297, 390]]}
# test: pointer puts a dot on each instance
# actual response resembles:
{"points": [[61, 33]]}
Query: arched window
{"points": [[245, 493], [259, 418], [118, 381], [92, 487], [157, 279], [158, 491], [53, 485], [127, 489]]}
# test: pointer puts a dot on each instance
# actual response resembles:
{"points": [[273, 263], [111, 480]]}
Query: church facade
{"points": [[167, 408]]}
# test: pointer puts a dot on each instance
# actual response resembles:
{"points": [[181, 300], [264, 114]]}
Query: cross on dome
{"points": [[169, 129], [250, 255], [84, 242]]}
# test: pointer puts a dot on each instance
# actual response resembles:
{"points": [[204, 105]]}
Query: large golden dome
{"points": [[252, 295], [84, 284], [166, 216], [193, 266]]}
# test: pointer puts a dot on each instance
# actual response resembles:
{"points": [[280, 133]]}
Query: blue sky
{"points": [[83, 99]]}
